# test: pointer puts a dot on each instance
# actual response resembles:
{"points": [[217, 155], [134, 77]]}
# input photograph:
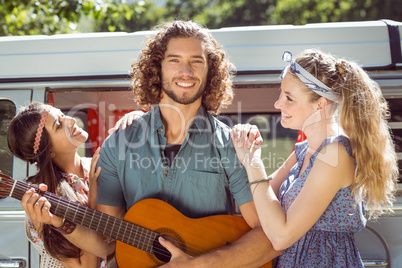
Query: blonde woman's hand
{"points": [[93, 179], [127, 119], [247, 140]]}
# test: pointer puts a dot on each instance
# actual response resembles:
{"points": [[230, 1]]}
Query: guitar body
{"points": [[193, 236]]}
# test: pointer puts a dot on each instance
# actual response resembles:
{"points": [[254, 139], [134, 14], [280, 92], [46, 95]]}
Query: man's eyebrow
{"points": [[198, 57], [172, 56], [178, 56]]}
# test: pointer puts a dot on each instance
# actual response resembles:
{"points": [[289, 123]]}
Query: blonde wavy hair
{"points": [[146, 80], [363, 115]]}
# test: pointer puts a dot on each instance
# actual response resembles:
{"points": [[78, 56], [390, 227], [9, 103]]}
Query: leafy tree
{"points": [[22, 17], [30, 17], [222, 13], [128, 17], [225, 13], [315, 11], [41, 16]]}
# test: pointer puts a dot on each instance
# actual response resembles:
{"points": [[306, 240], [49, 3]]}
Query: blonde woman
{"points": [[312, 206]]}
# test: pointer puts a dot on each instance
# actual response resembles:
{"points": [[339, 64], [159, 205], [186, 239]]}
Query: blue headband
{"points": [[308, 79]]}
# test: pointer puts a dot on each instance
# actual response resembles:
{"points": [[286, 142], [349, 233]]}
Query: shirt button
{"points": [[165, 172]]}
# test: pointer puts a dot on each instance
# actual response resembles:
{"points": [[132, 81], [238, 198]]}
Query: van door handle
{"points": [[12, 263], [375, 263]]}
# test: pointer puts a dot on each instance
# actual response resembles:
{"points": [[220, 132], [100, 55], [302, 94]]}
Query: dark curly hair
{"points": [[146, 78]]}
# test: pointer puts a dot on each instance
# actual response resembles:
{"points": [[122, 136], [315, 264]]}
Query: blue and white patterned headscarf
{"points": [[308, 79]]}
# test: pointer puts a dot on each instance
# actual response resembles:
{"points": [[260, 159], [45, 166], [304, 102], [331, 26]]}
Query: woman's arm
{"points": [[332, 171], [323, 182], [279, 176], [86, 260], [248, 136], [38, 209], [253, 249]]}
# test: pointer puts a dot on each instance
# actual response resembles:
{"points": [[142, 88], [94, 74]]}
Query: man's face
{"points": [[184, 70]]}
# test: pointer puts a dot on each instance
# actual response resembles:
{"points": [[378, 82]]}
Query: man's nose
{"points": [[186, 70]]}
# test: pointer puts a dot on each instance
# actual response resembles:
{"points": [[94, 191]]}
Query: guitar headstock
{"points": [[6, 184]]}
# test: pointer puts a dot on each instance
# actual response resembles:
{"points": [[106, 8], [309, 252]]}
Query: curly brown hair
{"points": [[146, 78]]}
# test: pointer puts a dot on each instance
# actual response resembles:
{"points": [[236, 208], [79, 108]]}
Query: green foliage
{"points": [[40, 16], [128, 17], [27, 17], [221, 13], [315, 11]]}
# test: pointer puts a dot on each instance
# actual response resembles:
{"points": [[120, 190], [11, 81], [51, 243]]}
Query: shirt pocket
{"points": [[206, 193]]}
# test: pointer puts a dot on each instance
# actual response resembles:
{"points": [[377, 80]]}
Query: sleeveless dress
{"points": [[330, 242], [79, 185]]}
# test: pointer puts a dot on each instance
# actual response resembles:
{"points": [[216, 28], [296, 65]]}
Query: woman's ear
{"points": [[52, 154], [322, 104]]}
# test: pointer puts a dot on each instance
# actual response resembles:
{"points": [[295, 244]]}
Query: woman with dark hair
{"points": [[41, 134]]}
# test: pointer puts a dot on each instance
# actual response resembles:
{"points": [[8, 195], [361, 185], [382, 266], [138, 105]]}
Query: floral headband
{"points": [[308, 79], [45, 113]]}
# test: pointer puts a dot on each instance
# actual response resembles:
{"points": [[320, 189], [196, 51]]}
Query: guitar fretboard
{"points": [[103, 223]]}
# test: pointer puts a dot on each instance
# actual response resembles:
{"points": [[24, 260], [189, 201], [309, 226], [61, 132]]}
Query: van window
{"points": [[278, 142], [7, 112]]}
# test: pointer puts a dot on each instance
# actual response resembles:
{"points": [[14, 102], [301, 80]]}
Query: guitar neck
{"points": [[102, 223]]}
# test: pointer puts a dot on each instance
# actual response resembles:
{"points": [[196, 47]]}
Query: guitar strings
{"points": [[64, 205], [97, 217], [146, 237]]}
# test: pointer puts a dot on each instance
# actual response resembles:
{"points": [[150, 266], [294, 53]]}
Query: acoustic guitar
{"points": [[137, 234]]}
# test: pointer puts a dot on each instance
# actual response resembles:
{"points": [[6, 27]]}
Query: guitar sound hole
{"points": [[160, 252]]}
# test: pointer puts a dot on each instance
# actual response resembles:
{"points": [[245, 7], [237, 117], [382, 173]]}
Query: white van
{"points": [[86, 76]]}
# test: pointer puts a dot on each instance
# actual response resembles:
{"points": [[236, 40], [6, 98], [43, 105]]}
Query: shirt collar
{"points": [[198, 124], [156, 119]]}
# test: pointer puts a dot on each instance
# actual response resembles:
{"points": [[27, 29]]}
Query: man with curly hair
{"points": [[179, 152]]}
